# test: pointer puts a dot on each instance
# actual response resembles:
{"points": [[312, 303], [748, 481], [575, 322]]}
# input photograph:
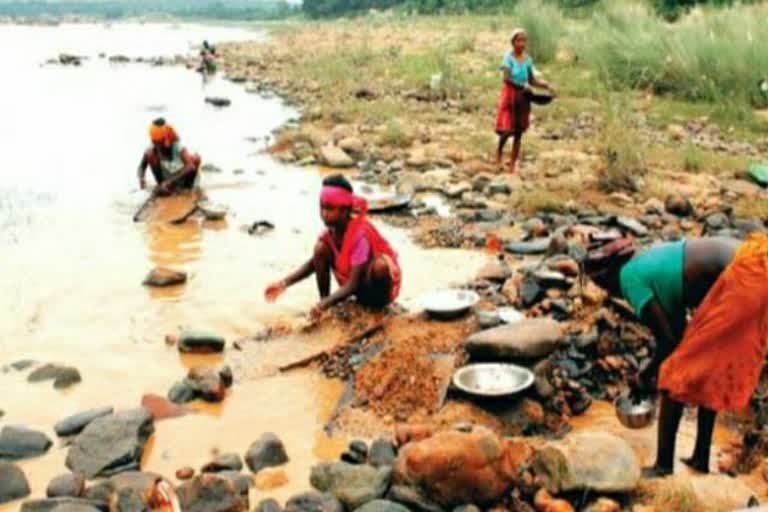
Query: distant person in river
{"points": [[514, 112], [363, 262], [714, 360], [208, 59], [173, 166]]}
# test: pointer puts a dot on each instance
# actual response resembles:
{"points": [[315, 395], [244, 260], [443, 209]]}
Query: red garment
{"points": [[718, 362], [514, 114], [360, 226]]}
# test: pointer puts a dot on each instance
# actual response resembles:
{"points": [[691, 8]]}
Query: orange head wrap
{"points": [[161, 132]]}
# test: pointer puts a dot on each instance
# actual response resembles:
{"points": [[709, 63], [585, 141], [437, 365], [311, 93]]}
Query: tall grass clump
{"points": [[717, 55], [621, 146], [544, 24]]}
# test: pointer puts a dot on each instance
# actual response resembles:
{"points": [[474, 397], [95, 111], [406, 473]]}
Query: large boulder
{"points": [[206, 384], [69, 485], [528, 338], [266, 452], [211, 493], [382, 453], [13, 483], [314, 502], [200, 342], [75, 424], [111, 444], [382, 506], [454, 468], [354, 485], [335, 157], [22, 443], [595, 461]]}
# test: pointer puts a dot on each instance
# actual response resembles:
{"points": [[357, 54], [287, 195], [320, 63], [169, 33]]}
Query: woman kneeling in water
{"points": [[712, 361], [361, 259]]}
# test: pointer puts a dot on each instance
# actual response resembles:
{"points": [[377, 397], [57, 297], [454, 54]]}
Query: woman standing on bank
{"points": [[514, 105]]}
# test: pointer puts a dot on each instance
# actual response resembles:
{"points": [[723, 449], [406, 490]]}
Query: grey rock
{"points": [[225, 462], [359, 447], [314, 502], [70, 485], [530, 291], [633, 226], [352, 485], [537, 246], [747, 226], [488, 215], [218, 102], [211, 493], [353, 458], [226, 376], [595, 461], [382, 453], [130, 489], [75, 424], [200, 342], [22, 443], [268, 451], [162, 277], [111, 444], [268, 505], [413, 499], [210, 168], [528, 338], [206, 384], [62, 376], [67, 504], [549, 279], [181, 392], [382, 506], [100, 491], [717, 221], [13, 483], [487, 319], [499, 188], [22, 364], [241, 481]]}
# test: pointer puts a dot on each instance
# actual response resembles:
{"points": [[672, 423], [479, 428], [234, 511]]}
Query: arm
{"points": [[349, 288], [190, 167], [539, 83], [274, 290], [666, 336], [141, 171]]}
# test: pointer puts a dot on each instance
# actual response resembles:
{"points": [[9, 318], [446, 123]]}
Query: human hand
{"points": [[645, 379], [164, 188], [142, 183], [318, 311], [274, 291]]}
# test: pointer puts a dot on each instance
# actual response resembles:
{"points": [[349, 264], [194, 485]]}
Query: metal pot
{"points": [[635, 411]]}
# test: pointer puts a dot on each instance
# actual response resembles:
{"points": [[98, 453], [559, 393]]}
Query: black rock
{"points": [[537, 246], [22, 443], [382, 453], [353, 458], [13, 483], [359, 447], [70, 485], [111, 444], [62, 376], [218, 102], [241, 481], [225, 462], [181, 392], [206, 384], [200, 342], [211, 493], [75, 424], [530, 291], [268, 505], [551, 279], [267, 451], [225, 374], [314, 502], [65, 504], [412, 499]]}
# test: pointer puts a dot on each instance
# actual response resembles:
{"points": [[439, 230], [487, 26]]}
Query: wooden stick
{"points": [[319, 355], [144, 205]]}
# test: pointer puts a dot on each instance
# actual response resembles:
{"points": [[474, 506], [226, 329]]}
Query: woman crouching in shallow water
{"points": [[514, 111], [361, 259], [714, 361]]}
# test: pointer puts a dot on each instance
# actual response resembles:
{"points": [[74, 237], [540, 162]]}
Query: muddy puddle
{"points": [[73, 261]]}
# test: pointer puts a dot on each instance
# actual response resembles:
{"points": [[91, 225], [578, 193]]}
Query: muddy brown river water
{"points": [[73, 262]]}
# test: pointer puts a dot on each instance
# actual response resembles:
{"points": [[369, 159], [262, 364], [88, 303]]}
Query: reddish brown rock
{"points": [[185, 473], [161, 408]]}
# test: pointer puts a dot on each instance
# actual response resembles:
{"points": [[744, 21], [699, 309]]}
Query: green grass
{"points": [[693, 159], [621, 147], [395, 135]]}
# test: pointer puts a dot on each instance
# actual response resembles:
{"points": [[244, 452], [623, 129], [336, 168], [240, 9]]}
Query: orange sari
{"points": [[718, 362]]}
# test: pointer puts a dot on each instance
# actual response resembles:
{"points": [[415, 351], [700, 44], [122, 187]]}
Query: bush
{"points": [[621, 147], [545, 26]]}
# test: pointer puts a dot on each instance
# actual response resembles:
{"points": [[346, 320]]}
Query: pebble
{"points": [[185, 473]]}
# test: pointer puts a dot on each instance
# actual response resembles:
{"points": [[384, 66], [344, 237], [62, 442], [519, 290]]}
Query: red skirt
{"points": [[514, 114]]}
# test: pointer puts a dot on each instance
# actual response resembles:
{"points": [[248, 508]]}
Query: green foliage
{"points": [[545, 26], [621, 146], [693, 159]]}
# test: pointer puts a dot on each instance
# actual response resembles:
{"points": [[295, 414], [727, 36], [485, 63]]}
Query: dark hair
{"points": [[337, 180], [604, 260], [160, 121]]}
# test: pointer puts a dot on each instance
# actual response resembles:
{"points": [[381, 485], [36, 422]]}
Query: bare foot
{"points": [[695, 465], [652, 472]]}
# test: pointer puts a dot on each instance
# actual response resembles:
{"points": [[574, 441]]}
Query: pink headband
{"points": [[337, 196]]}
